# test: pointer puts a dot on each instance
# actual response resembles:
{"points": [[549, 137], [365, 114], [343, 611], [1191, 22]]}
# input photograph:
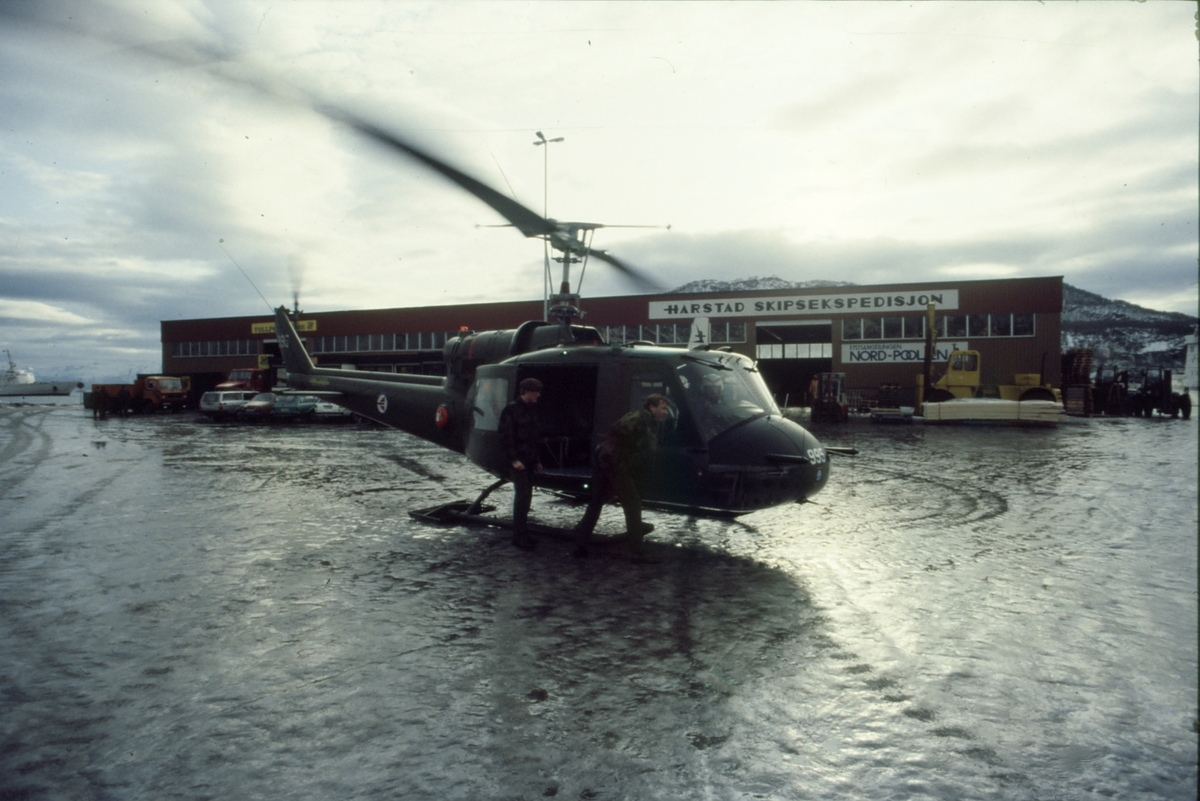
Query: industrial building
{"points": [[873, 334]]}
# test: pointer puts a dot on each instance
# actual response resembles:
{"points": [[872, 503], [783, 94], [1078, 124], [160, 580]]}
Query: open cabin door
{"points": [[566, 411]]}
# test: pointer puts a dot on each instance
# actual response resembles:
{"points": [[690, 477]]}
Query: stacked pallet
{"points": [[991, 410]]}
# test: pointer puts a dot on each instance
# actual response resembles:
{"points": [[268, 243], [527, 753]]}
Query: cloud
{"points": [[864, 142], [24, 312]]}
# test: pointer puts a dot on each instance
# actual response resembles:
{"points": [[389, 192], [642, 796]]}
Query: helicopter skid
{"points": [[459, 513]]}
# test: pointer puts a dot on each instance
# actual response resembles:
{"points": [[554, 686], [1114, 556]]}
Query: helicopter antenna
{"points": [[221, 245], [508, 183]]}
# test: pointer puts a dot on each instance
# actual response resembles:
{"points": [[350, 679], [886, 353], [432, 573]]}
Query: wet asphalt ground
{"points": [[190, 610]]}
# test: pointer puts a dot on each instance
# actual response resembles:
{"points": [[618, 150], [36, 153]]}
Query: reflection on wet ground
{"points": [[202, 611]]}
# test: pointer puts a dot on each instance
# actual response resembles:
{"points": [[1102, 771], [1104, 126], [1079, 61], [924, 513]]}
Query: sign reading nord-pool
{"points": [[881, 302], [897, 352]]}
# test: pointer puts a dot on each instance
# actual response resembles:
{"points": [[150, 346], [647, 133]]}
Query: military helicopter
{"points": [[723, 454]]}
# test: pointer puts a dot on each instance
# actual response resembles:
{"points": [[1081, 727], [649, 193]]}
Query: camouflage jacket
{"points": [[630, 444]]}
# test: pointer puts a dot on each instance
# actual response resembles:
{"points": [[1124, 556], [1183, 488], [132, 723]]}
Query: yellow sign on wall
{"points": [[269, 328], [264, 361]]}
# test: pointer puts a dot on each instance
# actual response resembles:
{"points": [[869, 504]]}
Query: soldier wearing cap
{"points": [[519, 434]]}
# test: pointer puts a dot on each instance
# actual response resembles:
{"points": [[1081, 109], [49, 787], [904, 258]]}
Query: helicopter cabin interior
{"points": [[573, 416]]}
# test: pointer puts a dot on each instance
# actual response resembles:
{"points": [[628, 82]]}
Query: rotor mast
{"points": [[565, 308]]}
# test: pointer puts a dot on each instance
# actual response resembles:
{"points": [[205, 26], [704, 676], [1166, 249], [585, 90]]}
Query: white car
{"points": [[330, 411], [219, 405]]}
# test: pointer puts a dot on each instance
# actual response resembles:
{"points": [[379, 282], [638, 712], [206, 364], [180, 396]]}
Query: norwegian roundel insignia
{"points": [[381, 403]]}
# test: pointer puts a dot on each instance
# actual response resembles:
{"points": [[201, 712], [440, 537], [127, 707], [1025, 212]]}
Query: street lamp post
{"points": [[542, 140]]}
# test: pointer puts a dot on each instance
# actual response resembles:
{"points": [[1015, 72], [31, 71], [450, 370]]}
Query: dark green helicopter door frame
{"points": [[681, 457], [566, 413]]}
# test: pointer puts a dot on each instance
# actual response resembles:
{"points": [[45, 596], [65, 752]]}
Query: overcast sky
{"points": [[867, 142]]}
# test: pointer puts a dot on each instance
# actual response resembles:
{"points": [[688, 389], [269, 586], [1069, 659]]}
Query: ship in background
{"points": [[16, 381]]}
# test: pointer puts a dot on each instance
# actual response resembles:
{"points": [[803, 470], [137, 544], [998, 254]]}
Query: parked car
{"points": [[259, 407], [294, 407], [331, 411], [219, 405]]}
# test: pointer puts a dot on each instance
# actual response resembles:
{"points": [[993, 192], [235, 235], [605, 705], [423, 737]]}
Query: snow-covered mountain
{"points": [[1117, 331], [1123, 333], [753, 284]]}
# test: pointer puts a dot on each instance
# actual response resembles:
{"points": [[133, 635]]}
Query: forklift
{"points": [[829, 398], [1156, 395]]}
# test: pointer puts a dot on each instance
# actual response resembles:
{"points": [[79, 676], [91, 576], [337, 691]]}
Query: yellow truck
{"points": [[961, 380]]}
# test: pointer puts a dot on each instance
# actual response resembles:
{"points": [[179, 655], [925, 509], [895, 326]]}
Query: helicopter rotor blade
{"points": [[528, 222], [629, 272], [222, 62]]}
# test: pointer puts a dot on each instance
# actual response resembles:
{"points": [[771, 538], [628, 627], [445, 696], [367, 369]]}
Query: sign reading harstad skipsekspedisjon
{"points": [[882, 303]]}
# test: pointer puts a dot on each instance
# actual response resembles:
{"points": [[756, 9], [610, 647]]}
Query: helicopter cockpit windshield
{"points": [[724, 393]]}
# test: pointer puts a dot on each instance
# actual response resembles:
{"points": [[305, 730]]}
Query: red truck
{"points": [[252, 380], [150, 394]]}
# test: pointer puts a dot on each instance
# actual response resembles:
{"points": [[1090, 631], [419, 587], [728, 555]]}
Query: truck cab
{"points": [[161, 393], [250, 380]]}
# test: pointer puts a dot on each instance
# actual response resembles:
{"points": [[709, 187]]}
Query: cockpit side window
{"points": [[488, 398]]}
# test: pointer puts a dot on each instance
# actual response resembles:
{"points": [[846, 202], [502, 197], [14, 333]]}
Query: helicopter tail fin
{"points": [[295, 358]]}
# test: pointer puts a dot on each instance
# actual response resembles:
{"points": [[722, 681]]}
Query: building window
{"points": [[852, 329], [893, 327], [870, 328], [1023, 325], [615, 334], [956, 326], [727, 333], [977, 325], [914, 326], [220, 347], [1001, 325], [794, 350]]}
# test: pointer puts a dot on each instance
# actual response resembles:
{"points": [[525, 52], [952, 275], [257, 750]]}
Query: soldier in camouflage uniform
{"points": [[621, 460]]}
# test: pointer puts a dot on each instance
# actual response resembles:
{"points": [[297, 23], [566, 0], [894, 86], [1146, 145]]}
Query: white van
{"points": [[219, 405]]}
